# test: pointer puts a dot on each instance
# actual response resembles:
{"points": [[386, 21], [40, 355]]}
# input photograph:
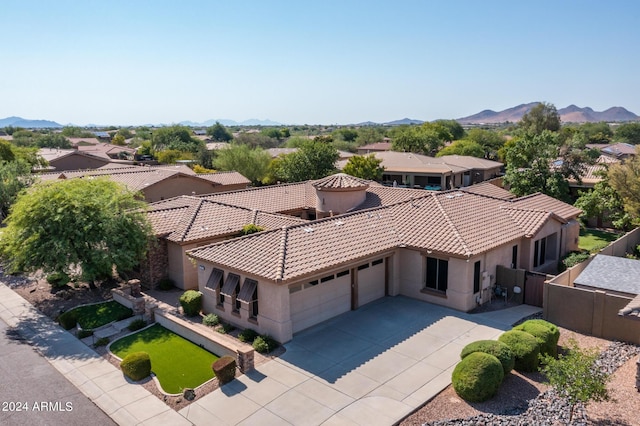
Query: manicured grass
{"points": [[93, 316], [593, 240], [176, 362]]}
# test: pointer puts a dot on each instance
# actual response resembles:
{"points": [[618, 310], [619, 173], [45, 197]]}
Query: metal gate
{"points": [[533, 288]]}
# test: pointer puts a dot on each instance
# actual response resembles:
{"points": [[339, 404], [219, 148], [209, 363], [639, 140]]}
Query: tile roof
{"points": [[543, 202], [225, 178], [378, 146], [469, 162], [340, 181], [415, 163], [488, 189], [619, 149], [184, 219], [276, 198], [453, 223]]}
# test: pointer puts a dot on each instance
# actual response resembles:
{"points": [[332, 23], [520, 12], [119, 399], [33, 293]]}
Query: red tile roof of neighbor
{"points": [[455, 223], [340, 181]]}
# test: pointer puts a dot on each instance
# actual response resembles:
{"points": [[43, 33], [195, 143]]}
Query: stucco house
{"points": [[372, 241], [157, 183]]}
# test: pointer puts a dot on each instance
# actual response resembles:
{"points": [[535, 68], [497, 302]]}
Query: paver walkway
{"points": [[372, 366]]}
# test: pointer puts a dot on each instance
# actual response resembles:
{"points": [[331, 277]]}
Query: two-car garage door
{"points": [[331, 295]]}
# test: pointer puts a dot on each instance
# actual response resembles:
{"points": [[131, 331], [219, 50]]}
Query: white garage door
{"points": [[371, 277], [312, 304]]}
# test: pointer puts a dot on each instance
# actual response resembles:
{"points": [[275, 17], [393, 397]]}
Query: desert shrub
{"points": [[58, 279], [547, 340], [166, 284], [211, 320], [555, 331], [136, 365], [264, 344], [84, 333], [103, 341], [137, 324], [492, 347], [477, 377], [191, 301], [68, 319], [247, 335], [525, 348], [225, 369], [226, 328]]}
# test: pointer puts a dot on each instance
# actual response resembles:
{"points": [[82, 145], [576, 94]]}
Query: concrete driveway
{"points": [[372, 366]]}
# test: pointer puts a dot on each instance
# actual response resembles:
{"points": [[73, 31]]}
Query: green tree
{"points": [[576, 377], [118, 139], [463, 147], [6, 151], [543, 116], [125, 133], [604, 203], [364, 167], [251, 163], [346, 134], [255, 140], [175, 137], [81, 227], [453, 127], [490, 141], [625, 179], [76, 132], [537, 163], [271, 132], [629, 133], [219, 133], [369, 135], [313, 160], [15, 176], [425, 139]]}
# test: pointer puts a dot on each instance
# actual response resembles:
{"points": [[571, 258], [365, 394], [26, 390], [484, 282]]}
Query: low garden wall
{"points": [[208, 339]]}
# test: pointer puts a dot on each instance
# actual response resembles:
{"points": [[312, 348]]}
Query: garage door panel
{"points": [[371, 284], [315, 304]]}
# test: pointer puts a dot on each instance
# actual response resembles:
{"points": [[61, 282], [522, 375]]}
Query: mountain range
{"points": [[28, 124], [570, 114]]}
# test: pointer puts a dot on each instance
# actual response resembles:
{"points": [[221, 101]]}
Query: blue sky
{"points": [[323, 62]]}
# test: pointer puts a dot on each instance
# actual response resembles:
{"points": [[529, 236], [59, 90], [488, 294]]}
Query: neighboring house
{"points": [[435, 173], [600, 295], [375, 147], [621, 151], [159, 183], [592, 174], [440, 247], [106, 150], [71, 159]]}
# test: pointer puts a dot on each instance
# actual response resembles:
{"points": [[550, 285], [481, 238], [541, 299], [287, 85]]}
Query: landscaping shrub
{"points": [[226, 328], [166, 284], [555, 331], [547, 339], [492, 347], [103, 341], [264, 344], [211, 320], [225, 369], [58, 279], [68, 319], [136, 366], [84, 333], [525, 348], [572, 259], [477, 377], [191, 301], [137, 324], [247, 335]]}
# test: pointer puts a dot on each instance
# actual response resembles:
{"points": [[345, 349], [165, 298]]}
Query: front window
{"points": [[437, 274]]}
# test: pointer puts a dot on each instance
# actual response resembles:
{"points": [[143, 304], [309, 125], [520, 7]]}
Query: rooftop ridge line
{"points": [[452, 226]]}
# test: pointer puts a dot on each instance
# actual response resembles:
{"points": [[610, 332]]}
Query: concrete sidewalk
{"points": [[373, 366], [100, 381]]}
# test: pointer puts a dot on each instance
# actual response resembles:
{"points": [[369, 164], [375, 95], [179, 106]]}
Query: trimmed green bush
{"points": [[225, 369], [137, 324], [247, 335], [477, 377], [572, 259], [543, 334], [166, 284], [58, 279], [525, 348], [211, 320], [103, 341], [265, 344], [136, 366], [226, 328], [555, 331], [68, 319], [492, 347], [191, 301]]}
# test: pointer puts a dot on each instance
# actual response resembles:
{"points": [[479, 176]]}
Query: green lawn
{"points": [[593, 240], [176, 362], [93, 316]]}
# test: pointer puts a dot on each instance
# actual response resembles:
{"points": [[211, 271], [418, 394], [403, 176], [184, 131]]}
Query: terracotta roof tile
{"points": [[340, 181], [225, 178], [277, 198], [544, 202], [488, 189]]}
